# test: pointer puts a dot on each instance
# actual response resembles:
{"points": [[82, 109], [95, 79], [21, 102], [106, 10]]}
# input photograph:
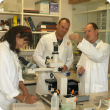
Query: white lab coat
{"points": [[10, 75], [95, 61], [44, 49]]}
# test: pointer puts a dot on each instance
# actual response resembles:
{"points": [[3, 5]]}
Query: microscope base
{"points": [[46, 98]]}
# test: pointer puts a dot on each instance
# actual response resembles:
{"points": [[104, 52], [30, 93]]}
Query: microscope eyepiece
{"points": [[55, 44]]}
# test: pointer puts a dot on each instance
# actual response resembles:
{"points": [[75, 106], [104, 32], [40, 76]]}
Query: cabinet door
{"points": [[97, 13], [91, 11], [108, 23]]}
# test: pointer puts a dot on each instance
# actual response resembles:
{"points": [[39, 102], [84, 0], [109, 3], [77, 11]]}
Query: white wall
{"points": [[66, 11]]}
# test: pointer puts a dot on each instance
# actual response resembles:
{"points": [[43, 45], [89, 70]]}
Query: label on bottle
{"points": [[54, 108]]}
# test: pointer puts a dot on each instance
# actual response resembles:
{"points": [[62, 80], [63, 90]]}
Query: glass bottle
{"points": [[2, 24], [2, 5], [6, 25]]}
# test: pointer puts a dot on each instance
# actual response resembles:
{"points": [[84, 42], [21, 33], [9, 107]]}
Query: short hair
{"points": [[67, 20], [94, 25], [10, 36]]}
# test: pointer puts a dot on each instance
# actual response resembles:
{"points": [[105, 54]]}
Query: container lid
{"points": [[55, 94]]}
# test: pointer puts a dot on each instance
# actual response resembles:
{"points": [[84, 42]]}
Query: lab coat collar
{"points": [[6, 43], [99, 43], [95, 44], [55, 39]]}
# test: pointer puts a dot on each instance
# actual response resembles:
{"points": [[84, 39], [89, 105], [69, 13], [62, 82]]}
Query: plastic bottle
{"points": [[18, 22], [14, 21], [1, 5], [55, 102]]}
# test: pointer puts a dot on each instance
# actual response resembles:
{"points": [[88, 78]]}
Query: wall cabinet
{"points": [[92, 11], [30, 5]]}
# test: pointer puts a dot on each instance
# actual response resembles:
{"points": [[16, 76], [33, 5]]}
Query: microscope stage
{"points": [[53, 64]]}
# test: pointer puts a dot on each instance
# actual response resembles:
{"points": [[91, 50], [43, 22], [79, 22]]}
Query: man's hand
{"points": [[64, 68], [81, 70], [76, 37]]}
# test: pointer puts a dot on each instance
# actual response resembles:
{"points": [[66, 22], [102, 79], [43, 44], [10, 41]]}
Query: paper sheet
{"points": [[24, 106]]}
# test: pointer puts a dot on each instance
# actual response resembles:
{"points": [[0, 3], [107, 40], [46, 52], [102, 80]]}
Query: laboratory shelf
{"points": [[91, 11], [45, 15]]}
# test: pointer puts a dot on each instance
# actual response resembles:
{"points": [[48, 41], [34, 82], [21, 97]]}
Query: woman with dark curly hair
{"points": [[10, 71]]}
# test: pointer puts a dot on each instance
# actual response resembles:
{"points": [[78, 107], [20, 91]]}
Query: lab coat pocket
{"points": [[80, 89], [87, 88], [98, 88]]}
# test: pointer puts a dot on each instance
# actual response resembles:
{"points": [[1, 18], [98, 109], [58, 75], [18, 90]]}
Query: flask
{"points": [[55, 102], [1, 5]]}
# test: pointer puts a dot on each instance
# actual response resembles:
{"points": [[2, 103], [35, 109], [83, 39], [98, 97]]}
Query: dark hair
{"points": [[10, 36], [94, 25], [67, 20]]}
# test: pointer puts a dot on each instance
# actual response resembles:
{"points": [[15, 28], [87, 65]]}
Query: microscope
{"points": [[54, 65]]}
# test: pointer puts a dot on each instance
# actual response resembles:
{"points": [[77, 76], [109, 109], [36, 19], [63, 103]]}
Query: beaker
{"points": [[67, 106]]}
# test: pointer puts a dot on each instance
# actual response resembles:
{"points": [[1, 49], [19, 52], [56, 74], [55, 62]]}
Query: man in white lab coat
{"points": [[45, 48], [93, 64]]}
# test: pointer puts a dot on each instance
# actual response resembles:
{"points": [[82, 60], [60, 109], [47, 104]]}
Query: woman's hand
{"points": [[30, 99]]}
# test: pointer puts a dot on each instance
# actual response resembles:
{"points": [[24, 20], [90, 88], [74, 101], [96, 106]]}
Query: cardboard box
{"points": [[53, 8], [42, 6]]}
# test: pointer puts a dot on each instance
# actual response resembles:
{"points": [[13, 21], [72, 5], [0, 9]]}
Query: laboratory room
{"points": [[54, 54]]}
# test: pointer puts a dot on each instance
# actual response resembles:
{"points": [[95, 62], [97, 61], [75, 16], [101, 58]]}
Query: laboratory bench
{"points": [[31, 85], [86, 103], [30, 81], [91, 101]]}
